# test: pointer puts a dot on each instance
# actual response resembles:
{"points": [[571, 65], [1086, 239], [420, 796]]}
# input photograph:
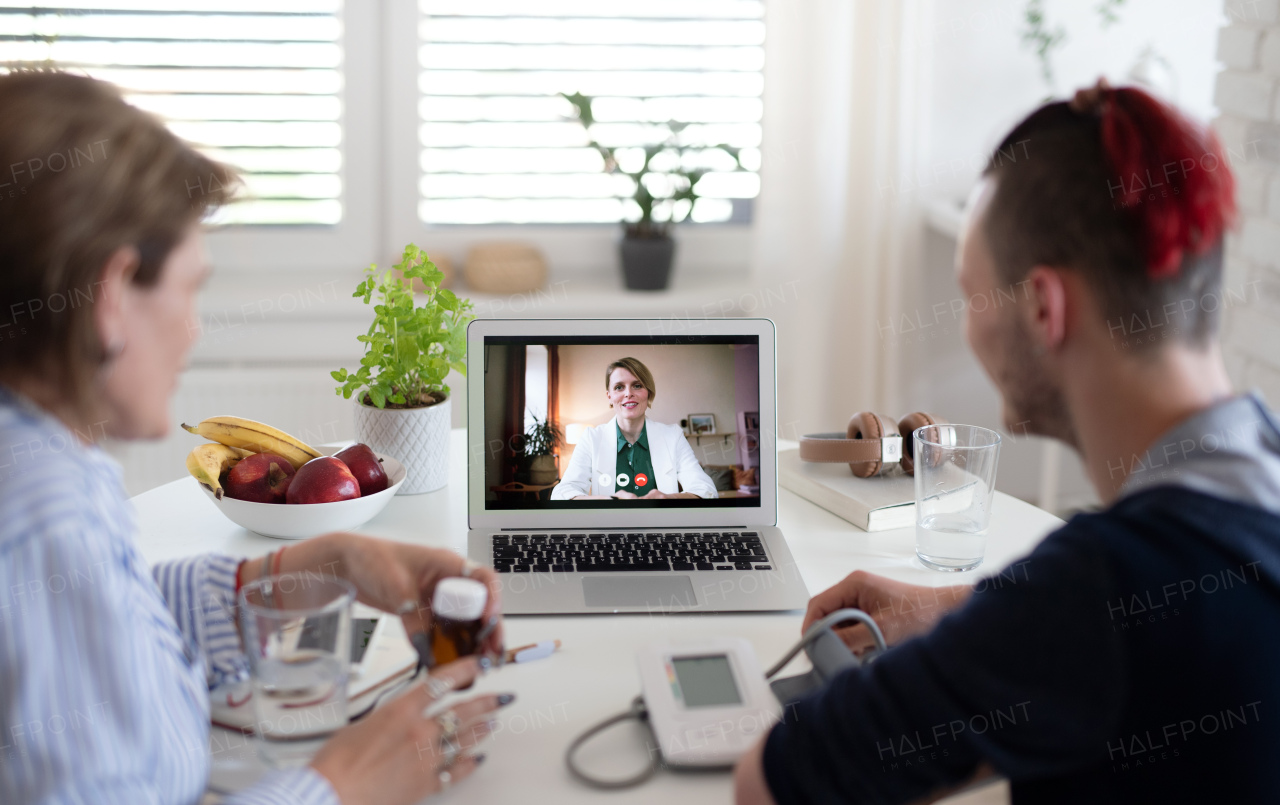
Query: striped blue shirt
{"points": [[105, 664]]}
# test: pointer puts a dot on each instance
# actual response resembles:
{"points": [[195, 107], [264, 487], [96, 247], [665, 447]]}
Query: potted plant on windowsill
{"points": [[537, 452], [665, 191], [402, 401]]}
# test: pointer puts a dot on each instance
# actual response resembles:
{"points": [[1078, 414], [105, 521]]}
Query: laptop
{"points": [[661, 492]]}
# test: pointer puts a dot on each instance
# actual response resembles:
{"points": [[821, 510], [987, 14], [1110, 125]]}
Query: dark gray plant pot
{"points": [[646, 262]]}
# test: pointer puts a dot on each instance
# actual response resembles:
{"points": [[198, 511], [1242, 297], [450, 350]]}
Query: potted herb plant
{"points": [[402, 401], [537, 452], [665, 192]]}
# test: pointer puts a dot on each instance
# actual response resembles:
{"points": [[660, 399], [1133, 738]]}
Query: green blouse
{"points": [[635, 461]]}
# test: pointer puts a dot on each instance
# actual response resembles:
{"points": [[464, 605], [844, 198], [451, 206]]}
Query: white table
{"points": [[594, 675]]}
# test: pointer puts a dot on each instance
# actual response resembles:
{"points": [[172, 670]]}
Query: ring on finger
{"points": [[450, 744], [449, 725], [437, 687], [450, 749]]}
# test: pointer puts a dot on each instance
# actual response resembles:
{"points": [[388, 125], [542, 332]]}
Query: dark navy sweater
{"points": [[1133, 656]]}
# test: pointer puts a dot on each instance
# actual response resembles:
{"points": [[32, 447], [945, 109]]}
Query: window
{"points": [[254, 83], [537, 363], [495, 144], [361, 126]]}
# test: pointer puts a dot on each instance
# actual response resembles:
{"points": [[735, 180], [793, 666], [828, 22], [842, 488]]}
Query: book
{"points": [[879, 503]]}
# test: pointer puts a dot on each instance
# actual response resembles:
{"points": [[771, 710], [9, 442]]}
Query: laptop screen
{"points": [[621, 423]]}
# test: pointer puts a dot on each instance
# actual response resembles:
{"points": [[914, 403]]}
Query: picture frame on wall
{"points": [[702, 424]]}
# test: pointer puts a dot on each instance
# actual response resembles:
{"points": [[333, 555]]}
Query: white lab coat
{"points": [[596, 457]]}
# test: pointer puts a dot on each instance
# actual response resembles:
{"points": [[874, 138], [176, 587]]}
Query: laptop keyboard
{"points": [[606, 552]]}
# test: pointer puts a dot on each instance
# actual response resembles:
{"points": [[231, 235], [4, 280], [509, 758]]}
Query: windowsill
{"points": [[249, 319], [250, 296], [601, 294]]}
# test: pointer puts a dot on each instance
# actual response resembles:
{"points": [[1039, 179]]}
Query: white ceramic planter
{"points": [[418, 437]]}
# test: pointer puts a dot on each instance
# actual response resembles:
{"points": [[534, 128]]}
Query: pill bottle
{"points": [[457, 609]]}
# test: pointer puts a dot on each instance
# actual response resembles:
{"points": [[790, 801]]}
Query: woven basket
{"points": [[505, 268]]}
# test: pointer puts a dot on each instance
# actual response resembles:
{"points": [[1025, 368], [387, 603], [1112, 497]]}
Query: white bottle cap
{"points": [[459, 599]]}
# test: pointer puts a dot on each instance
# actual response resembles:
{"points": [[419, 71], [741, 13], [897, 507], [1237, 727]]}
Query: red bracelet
{"points": [[240, 577], [276, 570]]}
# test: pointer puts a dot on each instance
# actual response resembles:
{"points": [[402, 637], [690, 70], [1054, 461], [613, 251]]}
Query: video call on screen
{"points": [[692, 441]]}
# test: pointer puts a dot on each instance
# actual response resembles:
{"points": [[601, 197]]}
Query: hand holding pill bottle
{"points": [[457, 609]]}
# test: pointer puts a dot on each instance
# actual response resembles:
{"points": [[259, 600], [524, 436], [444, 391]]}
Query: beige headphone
{"points": [[871, 444]]}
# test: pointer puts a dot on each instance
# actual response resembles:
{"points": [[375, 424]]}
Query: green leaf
{"points": [[581, 108], [651, 151], [446, 299], [413, 342]]}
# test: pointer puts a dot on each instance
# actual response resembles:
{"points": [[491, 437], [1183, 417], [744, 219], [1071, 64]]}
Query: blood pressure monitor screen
{"points": [[597, 422], [704, 681]]}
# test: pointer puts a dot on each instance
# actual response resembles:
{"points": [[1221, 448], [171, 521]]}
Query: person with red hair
{"points": [[1132, 656]]}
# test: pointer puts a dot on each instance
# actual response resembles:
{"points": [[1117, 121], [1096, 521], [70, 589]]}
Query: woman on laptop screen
{"points": [[630, 456]]}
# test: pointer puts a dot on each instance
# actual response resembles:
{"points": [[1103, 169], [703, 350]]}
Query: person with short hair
{"points": [[1131, 656], [631, 456], [105, 663]]}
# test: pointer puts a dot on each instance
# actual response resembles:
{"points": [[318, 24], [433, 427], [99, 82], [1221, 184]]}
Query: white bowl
{"points": [[306, 520]]}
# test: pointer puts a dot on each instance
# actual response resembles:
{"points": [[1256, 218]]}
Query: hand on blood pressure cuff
{"points": [[871, 444]]}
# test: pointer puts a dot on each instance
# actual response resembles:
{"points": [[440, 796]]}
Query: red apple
{"points": [[260, 478], [323, 480], [366, 467]]}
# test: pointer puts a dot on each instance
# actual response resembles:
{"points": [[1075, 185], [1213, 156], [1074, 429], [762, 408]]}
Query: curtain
{"points": [[834, 238], [513, 418], [553, 391]]}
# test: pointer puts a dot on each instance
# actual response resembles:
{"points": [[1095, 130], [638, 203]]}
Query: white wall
{"points": [[1249, 47], [984, 79]]}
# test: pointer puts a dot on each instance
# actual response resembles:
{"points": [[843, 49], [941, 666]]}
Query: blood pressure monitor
{"points": [[707, 703]]}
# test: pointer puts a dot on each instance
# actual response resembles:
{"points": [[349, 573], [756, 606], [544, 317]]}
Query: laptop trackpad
{"points": [[638, 591]]}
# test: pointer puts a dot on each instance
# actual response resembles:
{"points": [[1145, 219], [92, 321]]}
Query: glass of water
{"points": [[955, 474], [297, 634]]}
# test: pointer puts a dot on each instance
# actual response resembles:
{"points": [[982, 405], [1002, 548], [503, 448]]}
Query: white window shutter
{"points": [[494, 142], [254, 83]]}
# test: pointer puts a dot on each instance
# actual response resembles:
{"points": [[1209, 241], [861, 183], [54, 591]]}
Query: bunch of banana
{"points": [[207, 462], [234, 431]]}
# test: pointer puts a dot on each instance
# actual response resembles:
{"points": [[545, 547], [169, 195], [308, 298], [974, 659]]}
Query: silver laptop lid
{"points": [[716, 376]]}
